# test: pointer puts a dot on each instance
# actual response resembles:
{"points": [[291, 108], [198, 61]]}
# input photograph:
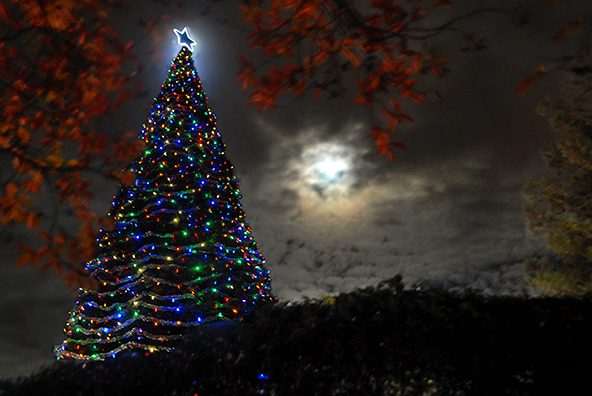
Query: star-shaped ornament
{"points": [[184, 38]]}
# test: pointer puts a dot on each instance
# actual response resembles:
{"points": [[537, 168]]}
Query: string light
{"points": [[181, 253]]}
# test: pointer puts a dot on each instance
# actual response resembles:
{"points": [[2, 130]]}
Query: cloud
{"points": [[441, 225]]}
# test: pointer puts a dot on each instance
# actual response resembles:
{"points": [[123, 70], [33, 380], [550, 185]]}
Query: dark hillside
{"points": [[376, 341]]}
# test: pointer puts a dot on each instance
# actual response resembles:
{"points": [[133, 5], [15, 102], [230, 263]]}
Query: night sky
{"points": [[448, 212]]}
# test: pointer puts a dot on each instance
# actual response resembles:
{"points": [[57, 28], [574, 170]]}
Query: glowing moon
{"points": [[332, 167], [327, 169]]}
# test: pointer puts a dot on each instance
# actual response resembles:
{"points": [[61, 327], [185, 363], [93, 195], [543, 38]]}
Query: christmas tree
{"points": [[181, 253]]}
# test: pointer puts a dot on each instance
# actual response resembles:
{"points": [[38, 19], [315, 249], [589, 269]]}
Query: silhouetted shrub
{"points": [[377, 341]]}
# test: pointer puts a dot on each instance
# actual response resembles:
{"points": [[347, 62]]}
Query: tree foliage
{"points": [[61, 65], [561, 205], [315, 43], [561, 63]]}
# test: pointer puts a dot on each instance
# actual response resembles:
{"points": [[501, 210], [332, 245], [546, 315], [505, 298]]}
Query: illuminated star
{"points": [[184, 38]]}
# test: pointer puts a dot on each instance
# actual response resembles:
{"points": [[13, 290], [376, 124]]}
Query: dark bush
{"points": [[376, 341]]}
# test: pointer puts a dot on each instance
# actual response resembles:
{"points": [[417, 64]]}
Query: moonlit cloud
{"points": [[327, 167], [454, 225]]}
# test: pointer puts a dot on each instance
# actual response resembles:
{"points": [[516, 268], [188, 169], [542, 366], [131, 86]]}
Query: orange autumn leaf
{"points": [[49, 102], [524, 85], [250, 13], [561, 33], [441, 60], [383, 63], [320, 57], [374, 82], [350, 55], [540, 70], [6, 15], [318, 92], [384, 149], [128, 178], [363, 98], [22, 260], [578, 21], [51, 264], [11, 189], [395, 105], [436, 70], [416, 64], [299, 88], [33, 221], [72, 163], [55, 160], [59, 18]]}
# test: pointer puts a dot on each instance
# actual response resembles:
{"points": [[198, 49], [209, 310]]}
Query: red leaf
{"points": [[291, 70], [416, 64], [524, 85], [365, 99], [374, 82], [561, 33], [396, 105], [48, 265], [101, 142], [540, 70], [351, 56], [320, 57], [23, 259], [33, 221], [5, 14], [128, 178], [436, 70], [43, 251], [407, 117], [25, 248], [11, 189]]}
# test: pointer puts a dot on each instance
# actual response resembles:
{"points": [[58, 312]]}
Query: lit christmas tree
{"points": [[181, 253]]}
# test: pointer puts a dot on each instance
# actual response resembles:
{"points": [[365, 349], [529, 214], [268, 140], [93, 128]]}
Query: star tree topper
{"points": [[184, 38]]}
